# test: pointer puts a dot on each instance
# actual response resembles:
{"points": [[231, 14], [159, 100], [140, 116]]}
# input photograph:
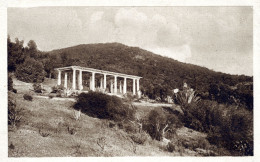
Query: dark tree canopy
{"points": [[31, 50], [15, 54], [31, 71]]}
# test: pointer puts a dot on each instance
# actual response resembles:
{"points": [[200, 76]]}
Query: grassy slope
{"points": [[53, 117]]}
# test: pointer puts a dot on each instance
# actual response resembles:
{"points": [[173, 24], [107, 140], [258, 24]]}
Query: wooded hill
{"points": [[160, 74]]}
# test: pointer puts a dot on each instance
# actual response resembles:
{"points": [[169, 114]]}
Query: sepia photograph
{"points": [[122, 81]]}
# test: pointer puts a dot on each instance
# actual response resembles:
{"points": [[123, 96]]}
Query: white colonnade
{"points": [[103, 80]]}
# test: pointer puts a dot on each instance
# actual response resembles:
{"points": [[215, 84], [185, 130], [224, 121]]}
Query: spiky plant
{"points": [[187, 97]]}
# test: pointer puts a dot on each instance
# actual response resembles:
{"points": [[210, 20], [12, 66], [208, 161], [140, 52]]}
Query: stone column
{"points": [[124, 89], [133, 86], [74, 79], [120, 86], [80, 80], [101, 83], [111, 86], [59, 77], [90, 82], [137, 86], [66, 80], [93, 81], [105, 81], [115, 85]]}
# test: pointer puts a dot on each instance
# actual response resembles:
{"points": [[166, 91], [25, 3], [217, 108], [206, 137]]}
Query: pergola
{"points": [[103, 81]]}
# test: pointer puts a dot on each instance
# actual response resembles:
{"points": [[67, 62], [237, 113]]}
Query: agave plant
{"points": [[187, 97]]}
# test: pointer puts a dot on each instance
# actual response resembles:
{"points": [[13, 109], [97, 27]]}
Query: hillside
{"points": [[43, 132], [160, 74]]}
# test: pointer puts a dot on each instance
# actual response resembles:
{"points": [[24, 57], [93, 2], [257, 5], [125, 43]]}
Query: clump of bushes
{"points": [[37, 88], [104, 106], [27, 97], [58, 89], [14, 113], [31, 71], [234, 132], [128, 126], [51, 95], [170, 147], [10, 85], [227, 126], [159, 124], [139, 138]]}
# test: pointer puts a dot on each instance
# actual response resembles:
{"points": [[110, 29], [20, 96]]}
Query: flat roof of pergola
{"points": [[98, 71]]}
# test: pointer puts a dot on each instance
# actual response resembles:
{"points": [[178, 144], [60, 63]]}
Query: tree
{"points": [[31, 49], [31, 71], [15, 53]]}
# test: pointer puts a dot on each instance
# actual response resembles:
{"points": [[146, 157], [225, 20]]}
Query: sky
{"points": [[219, 38]]}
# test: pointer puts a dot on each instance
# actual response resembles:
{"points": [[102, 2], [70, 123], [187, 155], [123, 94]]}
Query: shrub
{"points": [[192, 113], [129, 97], [27, 97], [227, 126], [14, 113], [10, 83], [104, 106], [111, 124], [72, 130], [31, 71], [57, 89], [129, 127], [234, 132], [51, 95], [11, 146], [158, 123], [102, 142], [186, 97], [14, 90], [37, 88], [44, 133], [170, 147], [139, 138]]}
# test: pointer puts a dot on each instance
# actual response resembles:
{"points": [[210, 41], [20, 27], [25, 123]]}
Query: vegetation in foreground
{"points": [[149, 131], [50, 127]]}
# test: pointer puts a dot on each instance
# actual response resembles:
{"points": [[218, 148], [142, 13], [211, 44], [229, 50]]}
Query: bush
{"points": [[234, 132], [158, 123], [10, 83], [104, 106], [27, 97], [187, 97], [15, 90], [51, 95], [37, 88], [57, 89], [170, 147], [31, 71], [14, 113], [227, 126], [129, 127], [139, 138]]}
